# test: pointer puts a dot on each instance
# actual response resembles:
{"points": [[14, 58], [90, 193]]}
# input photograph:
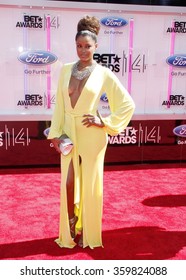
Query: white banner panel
{"points": [[146, 50]]}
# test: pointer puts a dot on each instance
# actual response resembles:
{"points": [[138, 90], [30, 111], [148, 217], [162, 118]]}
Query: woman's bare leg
{"points": [[70, 190]]}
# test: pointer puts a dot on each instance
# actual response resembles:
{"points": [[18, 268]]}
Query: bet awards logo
{"points": [[179, 27], [128, 136], [38, 22], [174, 100], [31, 100], [118, 63], [112, 61], [143, 135], [30, 22]]}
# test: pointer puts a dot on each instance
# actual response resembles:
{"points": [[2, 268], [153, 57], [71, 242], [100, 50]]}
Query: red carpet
{"points": [[144, 214]]}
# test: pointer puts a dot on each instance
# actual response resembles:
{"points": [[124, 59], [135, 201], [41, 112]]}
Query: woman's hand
{"points": [[90, 120], [56, 142]]}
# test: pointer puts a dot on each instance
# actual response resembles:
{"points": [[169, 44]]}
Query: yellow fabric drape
{"points": [[90, 144]]}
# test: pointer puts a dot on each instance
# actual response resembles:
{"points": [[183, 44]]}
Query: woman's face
{"points": [[85, 47]]}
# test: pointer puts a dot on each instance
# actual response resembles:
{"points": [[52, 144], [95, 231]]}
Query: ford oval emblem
{"points": [[37, 58], [46, 131], [114, 21], [180, 130], [104, 97], [178, 60]]}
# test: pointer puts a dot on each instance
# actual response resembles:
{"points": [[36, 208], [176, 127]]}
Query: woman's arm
{"points": [[58, 115], [121, 105]]}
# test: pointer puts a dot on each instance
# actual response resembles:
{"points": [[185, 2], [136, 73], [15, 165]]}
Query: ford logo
{"points": [[178, 60], [104, 97], [180, 130], [114, 21], [46, 131], [37, 58]]}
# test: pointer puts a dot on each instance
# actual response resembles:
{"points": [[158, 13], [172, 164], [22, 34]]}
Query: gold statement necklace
{"points": [[80, 75]]}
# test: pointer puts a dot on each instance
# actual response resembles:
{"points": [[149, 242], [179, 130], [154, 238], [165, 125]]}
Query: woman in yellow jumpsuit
{"points": [[80, 87]]}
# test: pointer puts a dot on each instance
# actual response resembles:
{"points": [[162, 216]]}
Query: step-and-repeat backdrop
{"points": [[144, 46]]}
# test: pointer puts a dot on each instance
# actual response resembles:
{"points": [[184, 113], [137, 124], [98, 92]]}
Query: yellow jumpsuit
{"points": [[90, 144]]}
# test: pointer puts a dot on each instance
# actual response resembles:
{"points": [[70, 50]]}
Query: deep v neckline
{"points": [[83, 88]]}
